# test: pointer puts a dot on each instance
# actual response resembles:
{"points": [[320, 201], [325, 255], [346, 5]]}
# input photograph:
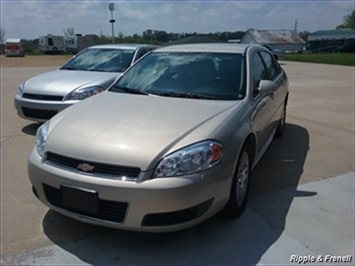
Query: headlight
{"points": [[191, 159], [41, 136], [21, 89], [81, 94]]}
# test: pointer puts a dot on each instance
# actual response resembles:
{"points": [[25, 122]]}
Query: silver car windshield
{"points": [[219, 76], [105, 60]]}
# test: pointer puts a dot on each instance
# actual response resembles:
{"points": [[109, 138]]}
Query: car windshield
{"points": [[105, 60], [219, 76]]}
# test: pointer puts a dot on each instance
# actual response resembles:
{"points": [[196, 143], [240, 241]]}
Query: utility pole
{"points": [[112, 21], [296, 25]]}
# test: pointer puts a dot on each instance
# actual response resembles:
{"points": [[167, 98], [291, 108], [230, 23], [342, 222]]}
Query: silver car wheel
{"points": [[242, 178]]}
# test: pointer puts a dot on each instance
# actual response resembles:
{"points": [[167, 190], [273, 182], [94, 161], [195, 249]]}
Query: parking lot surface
{"points": [[291, 211]]}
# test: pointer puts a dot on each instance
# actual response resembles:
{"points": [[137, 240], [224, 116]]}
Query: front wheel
{"points": [[240, 186]]}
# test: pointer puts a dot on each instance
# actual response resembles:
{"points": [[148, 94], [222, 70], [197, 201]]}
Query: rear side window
{"points": [[50, 41], [272, 69], [259, 71]]}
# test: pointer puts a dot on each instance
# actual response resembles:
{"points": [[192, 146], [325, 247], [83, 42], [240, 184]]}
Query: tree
{"points": [[2, 35], [349, 21], [69, 32], [161, 36], [148, 35]]}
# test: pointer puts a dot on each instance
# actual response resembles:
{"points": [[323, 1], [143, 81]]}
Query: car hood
{"points": [[61, 82], [133, 130]]}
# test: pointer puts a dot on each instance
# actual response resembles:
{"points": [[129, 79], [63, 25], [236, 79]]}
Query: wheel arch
{"points": [[250, 145], [286, 99]]}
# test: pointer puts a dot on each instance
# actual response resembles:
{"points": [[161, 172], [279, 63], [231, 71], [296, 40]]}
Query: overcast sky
{"points": [[31, 19]]}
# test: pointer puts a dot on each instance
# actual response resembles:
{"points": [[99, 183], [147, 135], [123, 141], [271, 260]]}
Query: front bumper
{"points": [[37, 110], [155, 205]]}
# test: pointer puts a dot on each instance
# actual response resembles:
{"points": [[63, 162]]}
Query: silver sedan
{"points": [[88, 73], [170, 144]]}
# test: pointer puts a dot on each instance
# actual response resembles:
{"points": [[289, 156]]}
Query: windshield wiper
{"points": [[69, 68], [98, 70], [129, 90], [185, 95]]}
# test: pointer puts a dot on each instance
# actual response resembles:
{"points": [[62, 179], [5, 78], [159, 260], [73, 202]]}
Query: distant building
{"points": [[284, 40], [341, 40]]}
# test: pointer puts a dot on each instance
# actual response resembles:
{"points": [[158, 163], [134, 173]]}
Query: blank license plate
{"points": [[80, 200]]}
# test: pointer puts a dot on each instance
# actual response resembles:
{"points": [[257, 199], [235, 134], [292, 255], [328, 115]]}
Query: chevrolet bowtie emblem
{"points": [[85, 167]]}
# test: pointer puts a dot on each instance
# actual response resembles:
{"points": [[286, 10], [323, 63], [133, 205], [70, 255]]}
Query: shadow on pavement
{"points": [[31, 129], [216, 241]]}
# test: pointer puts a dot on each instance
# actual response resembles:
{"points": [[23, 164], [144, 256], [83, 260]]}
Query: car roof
{"points": [[206, 47], [127, 46]]}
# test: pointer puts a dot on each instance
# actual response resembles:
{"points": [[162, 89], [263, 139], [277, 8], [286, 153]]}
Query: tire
{"points": [[240, 186], [281, 126]]}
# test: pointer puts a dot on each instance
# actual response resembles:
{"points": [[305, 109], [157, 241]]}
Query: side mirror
{"points": [[267, 87]]}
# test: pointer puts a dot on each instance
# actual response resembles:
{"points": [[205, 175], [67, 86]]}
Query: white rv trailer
{"points": [[51, 44], [77, 43]]}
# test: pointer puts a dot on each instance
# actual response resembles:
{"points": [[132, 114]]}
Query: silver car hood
{"points": [[133, 130], [61, 82]]}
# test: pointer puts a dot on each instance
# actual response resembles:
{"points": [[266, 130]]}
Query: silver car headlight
{"points": [[41, 136], [191, 159], [81, 94], [21, 89]]}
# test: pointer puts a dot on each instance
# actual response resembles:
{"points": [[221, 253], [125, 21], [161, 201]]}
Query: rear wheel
{"points": [[240, 186]]}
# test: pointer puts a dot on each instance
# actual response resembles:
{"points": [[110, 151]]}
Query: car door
{"points": [[275, 74], [262, 104]]}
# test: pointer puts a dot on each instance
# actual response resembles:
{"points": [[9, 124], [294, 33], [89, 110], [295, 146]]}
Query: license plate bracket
{"points": [[80, 200]]}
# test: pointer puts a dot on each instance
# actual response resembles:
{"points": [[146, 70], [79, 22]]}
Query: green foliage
{"points": [[345, 59], [160, 37], [349, 21], [30, 46]]}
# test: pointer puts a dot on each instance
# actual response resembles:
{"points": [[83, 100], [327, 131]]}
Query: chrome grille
{"points": [[106, 170]]}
